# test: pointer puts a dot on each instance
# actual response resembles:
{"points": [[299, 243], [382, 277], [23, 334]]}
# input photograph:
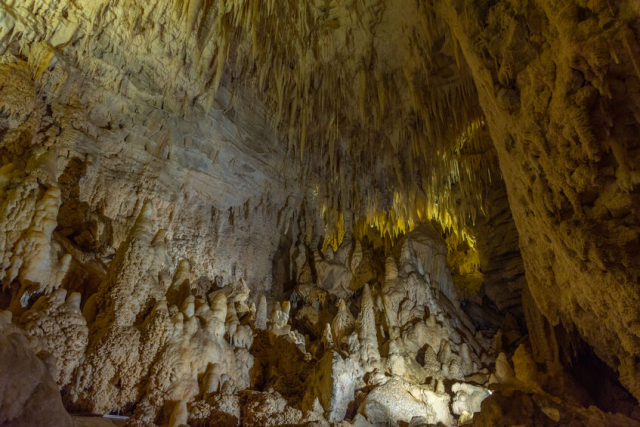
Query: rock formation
{"points": [[27, 399], [247, 212]]}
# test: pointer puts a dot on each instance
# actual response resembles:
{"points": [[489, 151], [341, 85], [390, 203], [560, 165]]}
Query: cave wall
{"points": [[214, 178], [497, 243], [108, 106], [559, 83]]}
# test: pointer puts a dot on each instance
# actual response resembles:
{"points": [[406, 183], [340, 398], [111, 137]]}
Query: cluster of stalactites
{"points": [[454, 200], [390, 127]]}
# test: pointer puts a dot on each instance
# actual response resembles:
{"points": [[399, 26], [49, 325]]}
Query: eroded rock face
{"points": [[86, 157], [145, 351], [156, 159], [28, 394], [533, 397], [499, 253], [57, 322], [409, 339], [558, 85]]}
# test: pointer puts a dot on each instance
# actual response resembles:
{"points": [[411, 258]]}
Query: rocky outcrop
{"points": [[409, 339], [57, 322], [29, 254], [546, 398], [27, 400], [148, 352], [501, 264], [163, 356], [85, 157], [221, 211], [557, 83]]}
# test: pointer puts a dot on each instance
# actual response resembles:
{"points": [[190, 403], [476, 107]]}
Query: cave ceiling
{"points": [[371, 102]]}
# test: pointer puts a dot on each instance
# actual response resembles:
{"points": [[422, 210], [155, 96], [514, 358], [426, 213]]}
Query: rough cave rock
{"points": [[324, 213]]}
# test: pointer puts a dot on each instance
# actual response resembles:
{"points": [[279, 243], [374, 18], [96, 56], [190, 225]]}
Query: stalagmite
{"points": [[280, 318], [504, 372], [343, 323], [198, 197], [366, 329], [261, 314], [180, 284]]}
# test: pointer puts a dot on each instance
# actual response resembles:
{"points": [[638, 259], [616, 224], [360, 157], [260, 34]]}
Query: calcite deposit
{"points": [[367, 212]]}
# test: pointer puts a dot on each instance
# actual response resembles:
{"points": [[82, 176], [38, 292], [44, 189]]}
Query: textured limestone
{"points": [[557, 83], [26, 400], [533, 397], [57, 322], [179, 353], [197, 361], [28, 219], [98, 153], [396, 401], [333, 384], [391, 349], [178, 170], [499, 254]]}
